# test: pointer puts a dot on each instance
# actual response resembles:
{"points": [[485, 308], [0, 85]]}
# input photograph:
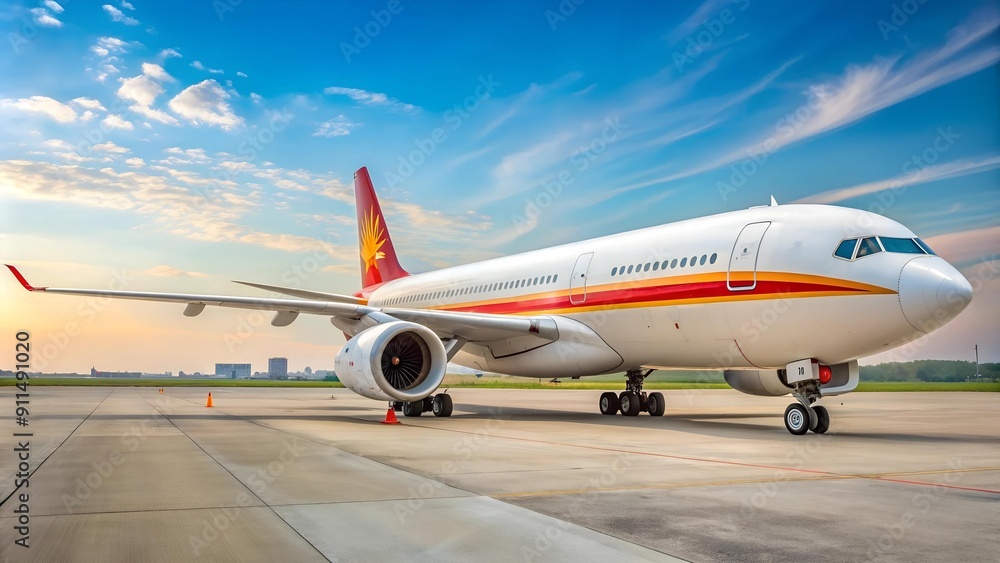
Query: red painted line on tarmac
{"points": [[959, 487]]}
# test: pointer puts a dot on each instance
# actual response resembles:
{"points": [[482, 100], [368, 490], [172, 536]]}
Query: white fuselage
{"points": [[753, 288]]}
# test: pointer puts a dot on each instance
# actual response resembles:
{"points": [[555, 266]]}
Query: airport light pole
{"points": [[977, 362]]}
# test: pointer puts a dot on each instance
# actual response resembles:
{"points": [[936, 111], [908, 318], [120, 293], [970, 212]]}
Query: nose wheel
{"points": [[803, 416], [633, 400]]}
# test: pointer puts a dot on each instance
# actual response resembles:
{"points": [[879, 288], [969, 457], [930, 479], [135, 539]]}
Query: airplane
{"points": [[783, 299]]}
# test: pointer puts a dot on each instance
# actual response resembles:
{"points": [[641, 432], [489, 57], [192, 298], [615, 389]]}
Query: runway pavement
{"points": [[309, 475]]}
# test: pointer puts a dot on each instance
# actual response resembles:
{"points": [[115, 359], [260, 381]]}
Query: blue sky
{"points": [[188, 144]]}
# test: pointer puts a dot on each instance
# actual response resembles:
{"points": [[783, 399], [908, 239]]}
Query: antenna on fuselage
{"points": [[774, 202]]}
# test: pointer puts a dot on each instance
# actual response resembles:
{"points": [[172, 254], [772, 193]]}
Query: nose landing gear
{"points": [[802, 417], [633, 400]]}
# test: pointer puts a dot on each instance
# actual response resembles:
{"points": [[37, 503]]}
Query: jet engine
{"points": [[393, 361], [763, 382]]}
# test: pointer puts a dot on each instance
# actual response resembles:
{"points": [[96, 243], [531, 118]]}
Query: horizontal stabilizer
{"points": [[307, 294]]}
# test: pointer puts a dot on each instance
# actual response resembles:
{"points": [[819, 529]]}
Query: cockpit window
{"points": [[902, 245], [926, 248], [868, 246], [846, 249]]}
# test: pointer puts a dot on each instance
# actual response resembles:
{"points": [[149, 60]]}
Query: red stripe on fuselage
{"points": [[675, 292]]}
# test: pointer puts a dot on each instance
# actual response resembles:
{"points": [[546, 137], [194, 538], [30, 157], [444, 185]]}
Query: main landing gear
{"points": [[440, 404], [633, 400], [801, 417]]}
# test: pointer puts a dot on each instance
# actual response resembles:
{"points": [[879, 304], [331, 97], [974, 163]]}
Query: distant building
{"points": [[277, 368], [115, 374], [233, 371]]}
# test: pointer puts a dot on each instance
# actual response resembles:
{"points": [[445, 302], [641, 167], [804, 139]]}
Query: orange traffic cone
{"points": [[390, 417], [161, 390], [209, 403]]}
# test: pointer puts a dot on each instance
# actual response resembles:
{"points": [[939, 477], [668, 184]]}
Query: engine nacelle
{"points": [[393, 361], [763, 382]]}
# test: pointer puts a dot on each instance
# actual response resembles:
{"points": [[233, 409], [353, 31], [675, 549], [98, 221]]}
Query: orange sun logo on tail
{"points": [[372, 239]]}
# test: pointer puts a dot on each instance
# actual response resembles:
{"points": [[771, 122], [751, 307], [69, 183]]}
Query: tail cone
{"points": [[209, 403]]}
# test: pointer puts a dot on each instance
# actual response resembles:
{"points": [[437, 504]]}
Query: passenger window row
{"points": [[672, 264], [854, 248], [473, 290]]}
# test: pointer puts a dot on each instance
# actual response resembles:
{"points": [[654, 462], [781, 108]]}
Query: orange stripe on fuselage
{"points": [[678, 290]]}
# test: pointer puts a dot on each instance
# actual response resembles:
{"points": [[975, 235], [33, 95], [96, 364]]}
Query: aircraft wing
{"points": [[472, 327]]}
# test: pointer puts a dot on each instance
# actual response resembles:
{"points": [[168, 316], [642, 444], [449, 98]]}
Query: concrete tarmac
{"points": [[287, 474]]}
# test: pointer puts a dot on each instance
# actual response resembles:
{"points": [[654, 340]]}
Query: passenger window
{"points": [[646, 267], [684, 262], [902, 245], [614, 271], [694, 259], [548, 279], [555, 277], [846, 249], [702, 261], [663, 266], [869, 246], [713, 258], [656, 266], [673, 263], [630, 269]]}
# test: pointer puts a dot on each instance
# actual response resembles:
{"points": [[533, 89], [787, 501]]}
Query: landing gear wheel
{"points": [[630, 403], [414, 408], [797, 419], [823, 420], [442, 405], [655, 405], [609, 404]]}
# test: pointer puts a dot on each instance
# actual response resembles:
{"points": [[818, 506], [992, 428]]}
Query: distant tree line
{"points": [[930, 370]]}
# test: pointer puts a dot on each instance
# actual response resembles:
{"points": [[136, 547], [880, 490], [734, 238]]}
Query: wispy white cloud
{"points": [[53, 5], [42, 105], [206, 102], [126, 5], [241, 74], [923, 175], [865, 89], [370, 98], [198, 65], [116, 122], [88, 103], [119, 16], [336, 127], [171, 272], [110, 147], [704, 11], [170, 54], [143, 91], [42, 17]]}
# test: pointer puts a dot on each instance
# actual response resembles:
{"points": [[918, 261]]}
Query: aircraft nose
{"points": [[932, 292]]}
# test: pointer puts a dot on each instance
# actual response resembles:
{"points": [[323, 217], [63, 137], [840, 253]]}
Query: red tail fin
{"points": [[378, 257]]}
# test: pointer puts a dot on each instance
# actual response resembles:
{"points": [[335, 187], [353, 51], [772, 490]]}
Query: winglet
{"points": [[21, 279], [774, 202]]}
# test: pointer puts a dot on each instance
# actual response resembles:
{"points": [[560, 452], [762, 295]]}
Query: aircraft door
{"points": [[743, 260], [578, 281]]}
